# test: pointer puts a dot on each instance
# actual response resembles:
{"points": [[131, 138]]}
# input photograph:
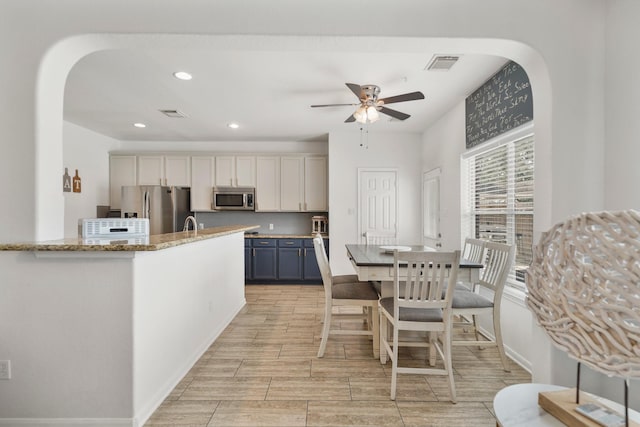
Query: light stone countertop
{"points": [[150, 243]]}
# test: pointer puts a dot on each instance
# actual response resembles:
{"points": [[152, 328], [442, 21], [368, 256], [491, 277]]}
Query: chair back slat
{"points": [[473, 250], [499, 260], [425, 279]]}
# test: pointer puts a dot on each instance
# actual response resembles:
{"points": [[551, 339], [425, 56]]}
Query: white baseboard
{"points": [[67, 422], [516, 357]]}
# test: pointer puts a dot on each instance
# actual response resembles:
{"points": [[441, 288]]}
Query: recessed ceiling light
{"points": [[182, 75], [140, 125], [233, 125]]}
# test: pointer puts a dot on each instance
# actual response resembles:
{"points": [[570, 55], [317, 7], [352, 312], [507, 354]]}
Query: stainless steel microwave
{"points": [[233, 198]]}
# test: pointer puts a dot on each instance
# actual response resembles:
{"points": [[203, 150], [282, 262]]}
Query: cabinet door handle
{"points": [[289, 243], [305, 251], [299, 252], [254, 251], [264, 243]]}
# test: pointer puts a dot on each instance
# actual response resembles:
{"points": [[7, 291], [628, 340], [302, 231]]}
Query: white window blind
{"points": [[497, 198]]}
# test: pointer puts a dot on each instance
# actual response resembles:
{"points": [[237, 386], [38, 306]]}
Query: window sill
{"points": [[516, 296]]}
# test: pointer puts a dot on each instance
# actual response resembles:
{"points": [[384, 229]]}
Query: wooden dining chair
{"points": [[467, 304], [422, 292], [375, 238], [473, 250], [346, 290]]}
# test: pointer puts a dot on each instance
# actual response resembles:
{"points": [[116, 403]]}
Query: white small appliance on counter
{"points": [[90, 228], [319, 224]]}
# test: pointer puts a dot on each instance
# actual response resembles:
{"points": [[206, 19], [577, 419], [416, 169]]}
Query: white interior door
{"points": [[431, 209], [378, 201]]}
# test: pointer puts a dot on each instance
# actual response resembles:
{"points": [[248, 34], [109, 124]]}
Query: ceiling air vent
{"points": [[173, 113], [441, 62]]}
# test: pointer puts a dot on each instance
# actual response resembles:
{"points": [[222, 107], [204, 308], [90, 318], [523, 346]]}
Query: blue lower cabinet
{"points": [[279, 260], [290, 259], [264, 261], [311, 269]]}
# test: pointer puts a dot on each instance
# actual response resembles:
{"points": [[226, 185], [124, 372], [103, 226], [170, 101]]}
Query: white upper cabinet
{"points": [[292, 184], [315, 184], [286, 183], [245, 171], [303, 183], [268, 183], [177, 171], [235, 171], [122, 171], [150, 170], [202, 181], [164, 170]]}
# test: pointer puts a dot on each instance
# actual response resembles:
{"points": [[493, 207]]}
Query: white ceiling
{"points": [[268, 92]]}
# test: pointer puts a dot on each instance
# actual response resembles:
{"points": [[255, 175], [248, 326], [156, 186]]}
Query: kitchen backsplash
{"points": [[283, 222]]}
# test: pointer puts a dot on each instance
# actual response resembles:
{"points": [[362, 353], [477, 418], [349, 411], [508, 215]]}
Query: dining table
{"points": [[375, 263]]}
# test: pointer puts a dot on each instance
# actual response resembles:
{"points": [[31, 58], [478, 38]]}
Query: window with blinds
{"points": [[497, 198]]}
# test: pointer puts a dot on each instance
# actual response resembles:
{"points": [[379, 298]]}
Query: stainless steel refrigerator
{"points": [[166, 207]]}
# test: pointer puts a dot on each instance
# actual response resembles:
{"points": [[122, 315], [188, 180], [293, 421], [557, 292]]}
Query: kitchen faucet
{"points": [[191, 219]]}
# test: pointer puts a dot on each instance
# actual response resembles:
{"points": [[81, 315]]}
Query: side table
{"points": [[517, 406]]}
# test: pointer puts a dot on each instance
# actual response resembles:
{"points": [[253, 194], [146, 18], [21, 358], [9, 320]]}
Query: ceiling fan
{"points": [[370, 105]]}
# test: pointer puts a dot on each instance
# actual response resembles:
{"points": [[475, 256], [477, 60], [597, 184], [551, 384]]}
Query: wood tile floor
{"points": [[263, 371]]}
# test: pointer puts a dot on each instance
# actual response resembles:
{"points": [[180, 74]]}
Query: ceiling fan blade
{"points": [[413, 96], [350, 119], [393, 113], [331, 105], [356, 89]]}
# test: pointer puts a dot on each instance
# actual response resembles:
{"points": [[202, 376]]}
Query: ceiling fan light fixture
{"points": [[372, 114], [360, 115]]}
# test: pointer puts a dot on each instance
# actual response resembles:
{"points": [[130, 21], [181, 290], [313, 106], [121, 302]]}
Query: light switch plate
{"points": [[5, 369]]}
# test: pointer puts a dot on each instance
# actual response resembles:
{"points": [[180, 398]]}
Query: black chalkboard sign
{"points": [[503, 103]]}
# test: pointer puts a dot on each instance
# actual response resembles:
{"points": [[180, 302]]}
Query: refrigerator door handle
{"points": [[145, 205]]}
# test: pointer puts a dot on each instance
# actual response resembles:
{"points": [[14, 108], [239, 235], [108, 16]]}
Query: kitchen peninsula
{"points": [[121, 322]]}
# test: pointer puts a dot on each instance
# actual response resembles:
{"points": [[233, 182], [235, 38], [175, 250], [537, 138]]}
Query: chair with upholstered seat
{"points": [[467, 304], [421, 302], [346, 290], [473, 251]]}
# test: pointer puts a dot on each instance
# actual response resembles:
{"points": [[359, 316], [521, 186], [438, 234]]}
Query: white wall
{"points": [[385, 150], [66, 326], [442, 145], [621, 106], [620, 155], [183, 298], [88, 152], [101, 338]]}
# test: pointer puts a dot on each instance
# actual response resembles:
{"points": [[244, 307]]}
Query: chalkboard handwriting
{"points": [[501, 104]]}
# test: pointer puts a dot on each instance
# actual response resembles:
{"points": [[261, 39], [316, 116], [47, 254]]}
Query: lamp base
{"points": [[562, 405]]}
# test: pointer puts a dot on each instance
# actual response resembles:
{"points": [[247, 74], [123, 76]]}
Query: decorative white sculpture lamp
{"points": [[584, 290]]}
